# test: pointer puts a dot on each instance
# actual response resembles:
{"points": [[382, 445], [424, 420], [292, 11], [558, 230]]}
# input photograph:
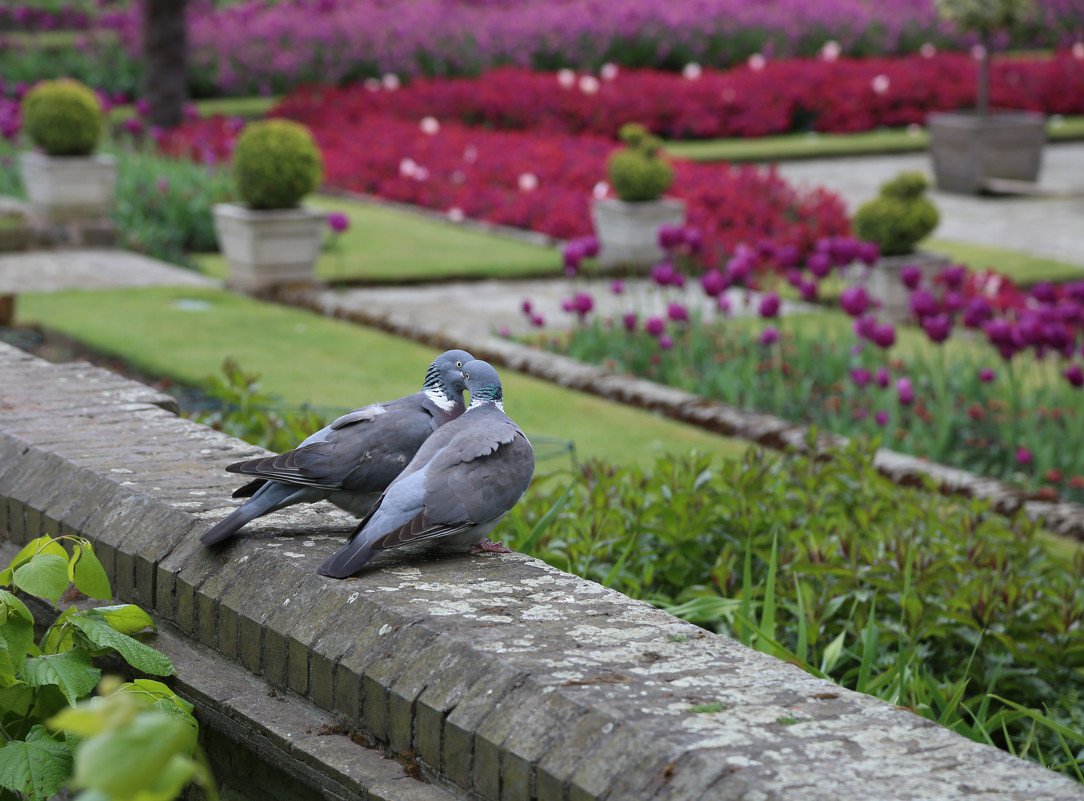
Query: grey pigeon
{"points": [[463, 480], [353, 460]]}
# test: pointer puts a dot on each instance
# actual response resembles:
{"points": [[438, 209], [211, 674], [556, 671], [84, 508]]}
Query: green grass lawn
{"points": [[815, 145], [305, 357], [388, 245], [1022, 268]]}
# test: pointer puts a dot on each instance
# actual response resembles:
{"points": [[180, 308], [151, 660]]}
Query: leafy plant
{"points": [[135, 744], [899, 217], [638, 172], [63, 117], [927, 602], [276, 163]]}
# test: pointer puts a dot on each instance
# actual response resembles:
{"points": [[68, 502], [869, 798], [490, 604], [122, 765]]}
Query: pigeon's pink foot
{"points": [[489, 546]]}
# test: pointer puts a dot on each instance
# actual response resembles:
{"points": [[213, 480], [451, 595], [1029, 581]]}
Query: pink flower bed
{"points": [[538, 181], [764, 97]]}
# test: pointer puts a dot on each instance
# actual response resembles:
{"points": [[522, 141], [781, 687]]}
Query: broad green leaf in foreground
{"points": [[126, 618], [142, 657], [44, 544], [71, 671], [128, 759], [37, 766], [87, 573], [45, 575]]}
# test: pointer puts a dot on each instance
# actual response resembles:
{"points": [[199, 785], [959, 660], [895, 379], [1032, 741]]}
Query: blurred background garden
{"points": [[483, 140]]}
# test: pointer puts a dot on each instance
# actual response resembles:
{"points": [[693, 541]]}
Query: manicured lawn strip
{"points": [[251, 108], [1023, 268], [815, 145], [304, 357], [387, 245]]}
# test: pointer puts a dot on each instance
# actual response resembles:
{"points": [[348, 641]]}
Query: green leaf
{"points": [[37, 766], [142, 657], [87, 573], [124, 761], [161, 697], [45, 575], [71, 671], [44, 544], [58, 637], [126, 618], [179, 771], [16, 637]]}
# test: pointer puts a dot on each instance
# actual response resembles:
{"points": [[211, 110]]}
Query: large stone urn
{"points": [[884, 283], [628, 233], [66, 188], [973, 152], [265, 249]]}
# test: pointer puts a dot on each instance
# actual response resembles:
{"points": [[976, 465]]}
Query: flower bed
{"points": [[539, 181], [769, 97]]}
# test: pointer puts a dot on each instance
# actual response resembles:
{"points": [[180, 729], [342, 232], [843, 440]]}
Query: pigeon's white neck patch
{"points": [[474, 404], [440, 399]]}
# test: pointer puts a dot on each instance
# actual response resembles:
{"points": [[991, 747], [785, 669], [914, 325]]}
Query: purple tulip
{"points": [[854, 300], [881, 418], [1074, 375], [864, 326], [769, 306], [537, 321], [868, 253], [788, 257], [1023, 456], [694, 240], [808, 289], [713, 283], [911, 276], [663, 274], [820, 264], [723, 302], [922, 304], [574, 254], [882, 377], [617, 286], [1045, 292], [953, 277], [977, 312], [526, 307], [1075, 290], [769, 336], [677, 312], [952, 301], [655, 326], [739, 269], [986, 375], [937, 328], [861, 376], [844, 250], [338, 222], [671, 236], [665, 342], [590, 246], [884, 336], [630, 321], [905, 391]]}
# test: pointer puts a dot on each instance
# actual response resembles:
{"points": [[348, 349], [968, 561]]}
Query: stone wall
{"points": [[494, 677]]}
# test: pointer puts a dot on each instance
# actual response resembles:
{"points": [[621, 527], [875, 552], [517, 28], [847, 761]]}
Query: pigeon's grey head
{"points": [[445, 375], [483, 384]]}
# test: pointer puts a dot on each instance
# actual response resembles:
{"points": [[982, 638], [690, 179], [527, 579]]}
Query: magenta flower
{"points": [[769, 306], [590, 246], [905, 390], [868, 253], [864, 326], [977, 312], [881, 418], [694, 240], [820, 264], [986, 375], [664, 274], [713, 283], [1023, 456], [854, 300], [526, 307], [844, 250], [911, 276], [860, 376], [630, 321], [655, 326], [677, 312], [573, 255], [922, 304], [665, 342], [769, 336], [884, 336], [338, 222], [882, 377], [1045, 292], [723, 302], [618, 286], [739, 269], [808, 290], [787, 256], [937, 328], [953, 276], [671, 236], [1074, 375], [537, 320]]}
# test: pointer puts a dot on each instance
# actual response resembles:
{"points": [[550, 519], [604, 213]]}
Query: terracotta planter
{"points": [[268, 248], [971, 152], [628, 233], [65, 188], [884, 283]]}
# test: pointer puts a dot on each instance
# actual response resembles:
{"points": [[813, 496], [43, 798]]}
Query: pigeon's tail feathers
{"points": [[271, 497], [348, 560], [249, 489]]}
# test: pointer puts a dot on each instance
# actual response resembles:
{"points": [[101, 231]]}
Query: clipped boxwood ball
{"points": [[637, 173], [900, 217], [275, 164], [63, 117]]}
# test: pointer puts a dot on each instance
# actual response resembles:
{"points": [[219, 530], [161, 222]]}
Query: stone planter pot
{"points": [[883, 280], [66, 188], [971, 153], [628, 233], [268, 248]]}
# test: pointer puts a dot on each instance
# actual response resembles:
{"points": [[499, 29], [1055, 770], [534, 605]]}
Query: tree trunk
{"points": [[165, 58]]}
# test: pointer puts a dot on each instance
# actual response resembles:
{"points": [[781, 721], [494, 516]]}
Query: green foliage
{"points": [[63, 117], [923, 601], [164, 204], [137, 743], [899, 218], [244, 411], [987, 17], [276, 163], [637, 172]]}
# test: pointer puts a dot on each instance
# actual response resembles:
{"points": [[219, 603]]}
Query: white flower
{"points": [[429, 125], [528, 182], [1078, 50], [914, 129], [589, 84], [757, 62], [455, 214], [601, 189], [608, 72], [470, 155], [692, 71], [978, 52], [567, 78], [407, 168], [880, 84], [927, 50], [831, 50], [390, 81]]}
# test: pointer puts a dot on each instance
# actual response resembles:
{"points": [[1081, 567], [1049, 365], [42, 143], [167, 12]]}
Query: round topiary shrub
{"points": [[63, 117], [275, 164], [899, 217], [638, 173]]}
